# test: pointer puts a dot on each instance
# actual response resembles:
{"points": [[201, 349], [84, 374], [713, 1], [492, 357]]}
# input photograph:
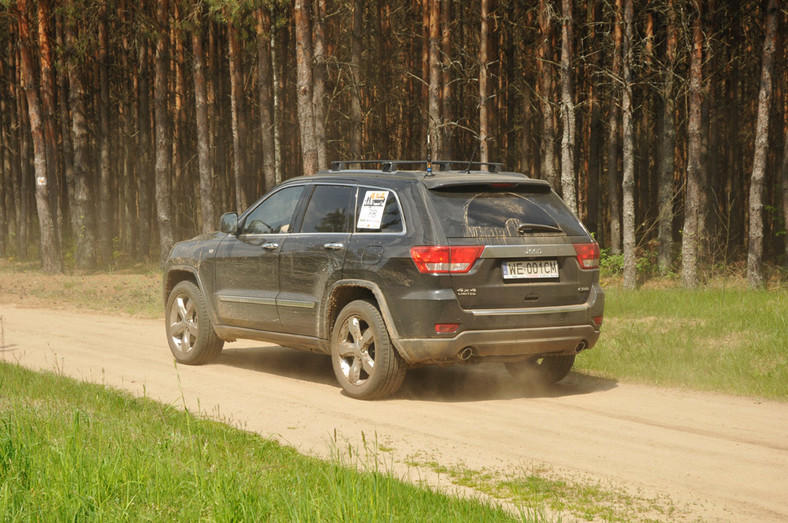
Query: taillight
{"points": [[587, 255], [444, 259]]}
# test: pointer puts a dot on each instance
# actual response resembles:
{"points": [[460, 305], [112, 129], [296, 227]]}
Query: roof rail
{"points": [[388, 166]]}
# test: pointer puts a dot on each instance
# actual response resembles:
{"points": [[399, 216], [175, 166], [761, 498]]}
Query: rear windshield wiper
{"points": [[537, 227]]}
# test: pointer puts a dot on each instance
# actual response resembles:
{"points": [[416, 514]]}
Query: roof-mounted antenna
{"points": [[473, 155], [429, 156]]}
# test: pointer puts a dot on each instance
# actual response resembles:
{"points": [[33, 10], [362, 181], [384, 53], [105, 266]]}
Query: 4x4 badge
{"points": [[466, 292]]}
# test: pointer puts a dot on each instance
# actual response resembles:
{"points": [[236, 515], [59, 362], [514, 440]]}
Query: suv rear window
{"points": [[488, 211]]}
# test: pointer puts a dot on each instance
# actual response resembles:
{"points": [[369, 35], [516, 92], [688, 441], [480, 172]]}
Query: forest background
{"points": [[128, 125]]}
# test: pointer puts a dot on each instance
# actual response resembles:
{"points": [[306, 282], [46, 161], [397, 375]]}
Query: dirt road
{"points": [[710, 457]]}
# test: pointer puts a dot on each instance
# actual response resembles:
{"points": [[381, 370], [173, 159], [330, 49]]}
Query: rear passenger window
{"points": [[377, 211], [330, 209]]}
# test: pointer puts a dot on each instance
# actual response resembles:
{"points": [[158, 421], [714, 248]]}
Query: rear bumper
{"points": [[499, 344]]}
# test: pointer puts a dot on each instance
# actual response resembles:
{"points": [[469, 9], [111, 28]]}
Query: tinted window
{"points": [[275, 214], [478, 212], [330, 209], [373, 215]]}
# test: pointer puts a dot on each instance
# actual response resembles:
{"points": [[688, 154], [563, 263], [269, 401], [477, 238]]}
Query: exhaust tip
{"points": [[465, 354], [580, 346]]}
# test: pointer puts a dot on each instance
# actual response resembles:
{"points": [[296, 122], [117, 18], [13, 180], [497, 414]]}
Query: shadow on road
{"points": [[457, 383]]}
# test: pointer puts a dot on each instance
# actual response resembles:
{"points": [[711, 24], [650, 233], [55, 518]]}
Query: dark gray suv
{"points": [[392, 265]]}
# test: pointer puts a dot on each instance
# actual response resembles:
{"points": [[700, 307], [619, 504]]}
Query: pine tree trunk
{"points": [[306, 114], [276, 104], [613, 139], [628, 182], [544, 59], [319, 90], [144, 146], [667, 144], [755, 251], [446, 90], [81, 223], [265, 85], [689, 245], [356, 114], [51, 259], [784, 184], [484, 150], [48, 87], [105, 231], [163, 138], [240, 128], [130, 191], [433, 104], [207, 190], [568, 175], [594, 138]]}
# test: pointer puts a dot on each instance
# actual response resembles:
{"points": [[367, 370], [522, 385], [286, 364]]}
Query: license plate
{"points": [[537, 269]]}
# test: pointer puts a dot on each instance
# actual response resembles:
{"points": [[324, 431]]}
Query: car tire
{"points": [[543, 370], [190, 333], [365, 362]]}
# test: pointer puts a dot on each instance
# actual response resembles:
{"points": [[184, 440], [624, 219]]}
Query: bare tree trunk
{"points": [[784, 183], [48, 113], [613, 140], [144, 166], [484, 150], [436, 129], [544, 59], [264, 90], [446, 90], [240, 128], [667, 144], [689, 245], [594, 138], [755, 251], [568, 175], [51, 259], [628, 182], [131, 219], [356, 114], [207, 202], [306, 114], [163, 138], [276, 98], [319, 90], [105, 230]]}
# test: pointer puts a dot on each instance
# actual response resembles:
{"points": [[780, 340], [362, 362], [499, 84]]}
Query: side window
{"points": [[378, 211], [330, 209], [275, 214]]}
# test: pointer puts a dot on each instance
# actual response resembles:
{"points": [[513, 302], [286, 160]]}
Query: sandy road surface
{"points": [[717, 458]]}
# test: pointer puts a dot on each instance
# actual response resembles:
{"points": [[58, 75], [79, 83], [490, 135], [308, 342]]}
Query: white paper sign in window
{"points": [[371, 214]]}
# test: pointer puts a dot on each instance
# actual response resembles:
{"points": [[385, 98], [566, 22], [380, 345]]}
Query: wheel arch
{"points": [[177, 274], [346, 291]]}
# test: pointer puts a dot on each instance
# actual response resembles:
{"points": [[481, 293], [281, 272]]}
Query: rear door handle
{"points": [[334, 246], [270, 246]]}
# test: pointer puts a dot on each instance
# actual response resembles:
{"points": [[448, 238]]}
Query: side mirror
{"points": [[229, 223]]}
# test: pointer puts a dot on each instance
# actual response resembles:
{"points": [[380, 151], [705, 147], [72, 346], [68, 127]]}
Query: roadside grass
{"points": [[719, 338], [72, 451], [539, 488]]}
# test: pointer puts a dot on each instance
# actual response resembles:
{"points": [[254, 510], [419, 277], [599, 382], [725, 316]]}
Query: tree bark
{"points": [[144, 146], [105, 231], [689, 245], [207, 192], [319, 90], [163, 138], [51, 258], [484, 150], [447, 118], [628, 182], [306, 114], [667, 144], [434, 90], [613, 139], [568, 175], [544, 59], [594, 138], [356, 114], [240, 127], [755, 250], [265, 86], [48, 112]]}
